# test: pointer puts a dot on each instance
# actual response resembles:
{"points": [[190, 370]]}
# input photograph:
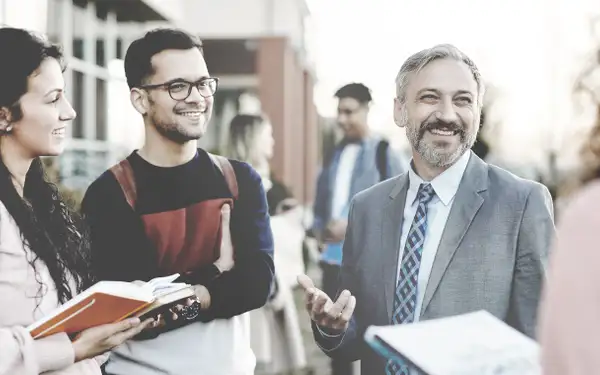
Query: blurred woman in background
{"points": [[275, 331]]}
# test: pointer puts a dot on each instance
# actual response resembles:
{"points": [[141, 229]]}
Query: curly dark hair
{"points": [[54, 233]]}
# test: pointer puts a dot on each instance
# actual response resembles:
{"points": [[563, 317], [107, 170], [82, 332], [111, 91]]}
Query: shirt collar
{"points": [[445, 185]]}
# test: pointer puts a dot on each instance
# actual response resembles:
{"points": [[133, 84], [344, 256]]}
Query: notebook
{"points": [[109, 302], [470, 344]]}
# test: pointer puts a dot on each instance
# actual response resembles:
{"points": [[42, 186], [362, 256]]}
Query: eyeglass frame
{"points": [[165, 86]]}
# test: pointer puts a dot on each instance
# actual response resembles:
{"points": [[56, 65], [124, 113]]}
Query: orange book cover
{"points": [[94, 310], [108, 302]]}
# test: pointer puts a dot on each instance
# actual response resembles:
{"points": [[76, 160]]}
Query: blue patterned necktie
{"points": [[405, 298]]}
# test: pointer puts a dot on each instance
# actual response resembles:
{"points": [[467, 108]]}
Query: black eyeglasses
{"points": [[180, 89]]}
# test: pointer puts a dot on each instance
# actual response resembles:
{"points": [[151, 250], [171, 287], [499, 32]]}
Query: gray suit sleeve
{"points": [[346, 345], [536, 234]]}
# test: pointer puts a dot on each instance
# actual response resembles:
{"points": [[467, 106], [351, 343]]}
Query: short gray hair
{"points": [[421, 59]]}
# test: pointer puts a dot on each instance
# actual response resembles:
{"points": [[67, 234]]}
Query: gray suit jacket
{"points": [[492, 256]]}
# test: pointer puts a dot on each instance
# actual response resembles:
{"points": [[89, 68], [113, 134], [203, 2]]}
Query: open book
{"points": [[470, 344], [109, 302]]}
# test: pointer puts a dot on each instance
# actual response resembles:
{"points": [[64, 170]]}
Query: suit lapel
{"points": [[467, 203], [392, 228]]}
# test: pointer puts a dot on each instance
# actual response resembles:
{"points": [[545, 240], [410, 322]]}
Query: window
{"points": [[2, 12], [101, 110], [77, 100]]}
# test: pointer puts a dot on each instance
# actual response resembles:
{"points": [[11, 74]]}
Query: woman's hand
{"points": [[97, 340]]}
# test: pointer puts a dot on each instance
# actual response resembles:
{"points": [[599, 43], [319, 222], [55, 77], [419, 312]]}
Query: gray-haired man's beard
{"points": [[436, 157]]}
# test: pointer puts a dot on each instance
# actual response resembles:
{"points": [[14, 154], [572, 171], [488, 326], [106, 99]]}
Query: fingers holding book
{"points": [[100, 339]]}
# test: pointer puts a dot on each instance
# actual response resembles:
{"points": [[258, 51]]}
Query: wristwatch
{"points": [[190, 312]]}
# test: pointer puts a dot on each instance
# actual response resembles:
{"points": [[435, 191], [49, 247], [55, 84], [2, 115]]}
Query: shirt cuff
{"points": [[328, 333]]}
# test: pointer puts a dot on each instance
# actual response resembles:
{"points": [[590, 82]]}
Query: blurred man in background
{"points": [[358, 162]]}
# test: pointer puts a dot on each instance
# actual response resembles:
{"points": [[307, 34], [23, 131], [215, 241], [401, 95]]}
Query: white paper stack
{"points": [[471, 344]]}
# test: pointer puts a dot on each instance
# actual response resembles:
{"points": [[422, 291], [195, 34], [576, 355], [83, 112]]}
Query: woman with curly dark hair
{"points": [[43, 248], [570, 312]]}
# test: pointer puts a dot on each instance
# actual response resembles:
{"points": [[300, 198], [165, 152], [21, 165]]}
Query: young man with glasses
{"points": [[165, 209]]}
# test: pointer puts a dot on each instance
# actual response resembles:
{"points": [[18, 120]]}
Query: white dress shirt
{"points": [[343, 180], [445, 186]]}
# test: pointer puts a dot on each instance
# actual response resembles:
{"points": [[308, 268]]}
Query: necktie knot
{"points": [[425, 193]]}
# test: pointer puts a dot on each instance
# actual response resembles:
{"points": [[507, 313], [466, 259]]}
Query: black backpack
{"points": [[380, 159]]}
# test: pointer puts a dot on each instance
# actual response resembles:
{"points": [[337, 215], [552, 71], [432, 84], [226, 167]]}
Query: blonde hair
{"points": [[243, 130]]}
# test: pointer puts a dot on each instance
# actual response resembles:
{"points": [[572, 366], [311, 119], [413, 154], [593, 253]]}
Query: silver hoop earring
{"points": [[9, 128]]}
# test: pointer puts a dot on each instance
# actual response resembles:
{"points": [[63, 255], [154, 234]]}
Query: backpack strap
{"points": [[124, 175], [227, 170], [381, 159]]}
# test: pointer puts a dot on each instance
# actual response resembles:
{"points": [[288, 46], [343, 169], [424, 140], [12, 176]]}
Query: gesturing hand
{"points": [[323, 311]]}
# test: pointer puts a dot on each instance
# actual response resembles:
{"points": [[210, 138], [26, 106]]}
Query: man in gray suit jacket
{"points": [[450, 236]]}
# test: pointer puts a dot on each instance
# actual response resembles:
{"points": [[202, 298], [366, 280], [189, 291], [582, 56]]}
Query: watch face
{"points": [[191, 312]]}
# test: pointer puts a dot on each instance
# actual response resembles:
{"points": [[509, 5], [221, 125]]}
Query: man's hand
{"points": [[159, 323], [225, 261], [335, 316], [335, 231], [172, 318], [203, 296]]}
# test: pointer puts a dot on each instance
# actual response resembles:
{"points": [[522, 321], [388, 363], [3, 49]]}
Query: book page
{"points": [[470, 344], [120, 289], [161, 286], [158, 282]]}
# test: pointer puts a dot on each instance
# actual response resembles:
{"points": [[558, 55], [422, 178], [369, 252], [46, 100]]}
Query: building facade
{"points": [[94, 36], [263, 55]]}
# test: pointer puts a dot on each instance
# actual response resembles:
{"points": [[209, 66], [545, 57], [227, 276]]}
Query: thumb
{"points": [[306, 283], [225, 209], [225, 213], [225, 226]]}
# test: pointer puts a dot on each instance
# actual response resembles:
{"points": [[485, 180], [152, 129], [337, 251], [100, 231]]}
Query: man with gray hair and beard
{"points": [[451, 236]]}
